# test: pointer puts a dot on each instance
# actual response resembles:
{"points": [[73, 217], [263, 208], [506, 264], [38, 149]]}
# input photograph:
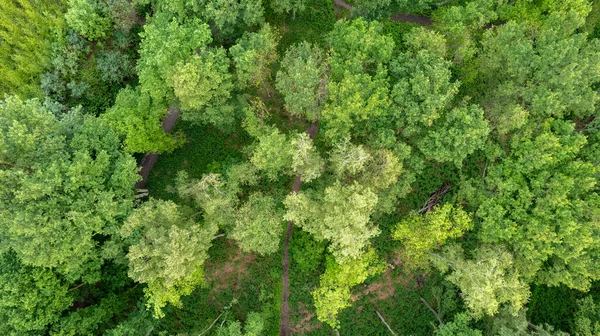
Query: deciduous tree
{"points": [[168, 251]]}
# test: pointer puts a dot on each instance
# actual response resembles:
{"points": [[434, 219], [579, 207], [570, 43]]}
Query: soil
{"points": [[305, 323], [284, 325], [228, 275]]}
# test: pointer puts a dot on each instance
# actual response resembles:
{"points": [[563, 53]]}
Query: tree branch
{"points": [[387, 325], [211, 325], [76, 287], [437, 316]]}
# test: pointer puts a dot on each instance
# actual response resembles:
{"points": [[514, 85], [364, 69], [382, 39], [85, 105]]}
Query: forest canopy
{"points": [[291, 167]]}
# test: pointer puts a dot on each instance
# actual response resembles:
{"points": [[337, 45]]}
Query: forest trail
{"points": [[284, 325], [400, 17], [150, 159]]}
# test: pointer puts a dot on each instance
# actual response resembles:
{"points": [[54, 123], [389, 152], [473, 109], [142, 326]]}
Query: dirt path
{"points": [[400, 17], [150, 159], [284, 325]]}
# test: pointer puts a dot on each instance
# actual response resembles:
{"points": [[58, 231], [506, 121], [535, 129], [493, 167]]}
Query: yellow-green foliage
{"points": [[333, 293], [422, 234], [26, 29]]}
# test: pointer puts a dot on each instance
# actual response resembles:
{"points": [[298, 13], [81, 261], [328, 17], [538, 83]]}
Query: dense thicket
{"points": [[427, 168]]}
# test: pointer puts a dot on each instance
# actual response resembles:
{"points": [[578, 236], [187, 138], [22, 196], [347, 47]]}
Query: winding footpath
{"points": [[173, 114]]}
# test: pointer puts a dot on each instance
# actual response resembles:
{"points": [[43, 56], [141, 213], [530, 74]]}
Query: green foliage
{"points": [[255, 326], [457, 134], [487, 281], [543, 204], [341, 215], [354, 102], [203, 86], [421, 234], [31, 298], [424, 88], [507, 324], [305, 159], [347, 159], [357, 46], [253, 55], [138, 119], [272, 155], [460, 326], [280, 6], [372, 9], [167, 252], [114, 66], [258, 225], [333, 293], [88, 320], [88, 18], [548, 73], [165, 42], [26, 31], [587, 318], [301, 80], [307, 252], [65, 182]]}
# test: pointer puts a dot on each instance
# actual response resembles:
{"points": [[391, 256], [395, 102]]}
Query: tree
{"points": [[89, 18], [226, 15], [31, 297], [26, 31], [460, 326], [255, 326], [341, 215], [587, 317], [333, 293], [505, 323], [305, 159], [423, 89], [302, 80], [422, 234], [65, 184], [252, 56], [457, 134], [258, 225], [487, 281], [280, 6], [165, 42], [272, 155], [358, 46], [548, 72], [138, 119], [355, 104], [543, 203], [168, 251], [347, 159], [203, 86]]}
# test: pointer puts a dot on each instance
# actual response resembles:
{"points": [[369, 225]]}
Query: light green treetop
{"points": [[422, 234], [203, 85], [487, 281], [168, 251], [302, 80], [340, 215]]}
